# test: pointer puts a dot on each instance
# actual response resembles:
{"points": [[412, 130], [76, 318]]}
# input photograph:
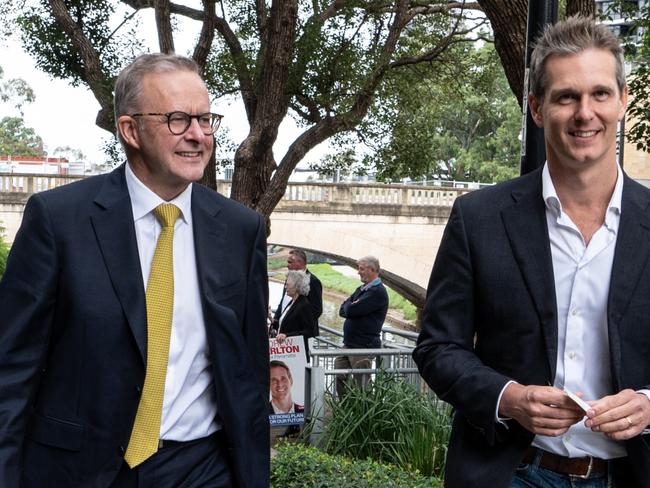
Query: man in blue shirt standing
{"points": [[364, 312]]}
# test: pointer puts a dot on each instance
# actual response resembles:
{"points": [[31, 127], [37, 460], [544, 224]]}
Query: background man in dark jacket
{"points": [[364, 312]]}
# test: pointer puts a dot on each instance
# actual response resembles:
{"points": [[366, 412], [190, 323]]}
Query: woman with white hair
{"points": [[296, 318]]}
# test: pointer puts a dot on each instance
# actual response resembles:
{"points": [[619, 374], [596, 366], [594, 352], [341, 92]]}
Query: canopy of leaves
{"points": [[18, 140], [459, 122], [637, 49]]}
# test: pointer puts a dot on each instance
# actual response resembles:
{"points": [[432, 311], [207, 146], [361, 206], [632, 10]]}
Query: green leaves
{"points": [[298, 466], [392, 422], [4, 251], [18, 140]]}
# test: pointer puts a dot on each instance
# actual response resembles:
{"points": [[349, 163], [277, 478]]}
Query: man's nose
{"points": [[585, 109], [194, 131]]}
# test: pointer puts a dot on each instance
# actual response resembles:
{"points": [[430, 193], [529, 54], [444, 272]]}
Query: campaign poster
{"points": [[287, 393]]}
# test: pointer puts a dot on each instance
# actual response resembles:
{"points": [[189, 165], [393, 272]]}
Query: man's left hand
{"points": [[621, 416]]}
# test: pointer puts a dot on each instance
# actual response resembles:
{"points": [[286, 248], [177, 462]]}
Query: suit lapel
{"points": [[526, 228], [210, 241], [630, 257], [112, 221]]}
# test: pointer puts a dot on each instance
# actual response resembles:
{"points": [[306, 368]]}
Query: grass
{"points": [[333, 280]]}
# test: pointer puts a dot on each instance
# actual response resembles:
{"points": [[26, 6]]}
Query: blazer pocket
{"points": [[56, 432]]}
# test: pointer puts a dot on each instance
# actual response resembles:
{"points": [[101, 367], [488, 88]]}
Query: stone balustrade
{"points": [[33, 183], [365, 194]]}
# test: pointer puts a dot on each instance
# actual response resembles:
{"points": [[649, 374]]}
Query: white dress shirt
{"points": [[582, 276], [189, 404]]}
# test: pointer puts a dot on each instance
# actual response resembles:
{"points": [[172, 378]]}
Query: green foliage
{"points": [[391, 422], [53, 50], [15, 91], [459, 122], [16, 139], [637, 49], [4, 252], [333, 280], [298, 466]]}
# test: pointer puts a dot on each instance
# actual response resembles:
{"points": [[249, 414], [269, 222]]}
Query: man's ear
{"points": [[623, 100], [128, 130], [535, 107]]}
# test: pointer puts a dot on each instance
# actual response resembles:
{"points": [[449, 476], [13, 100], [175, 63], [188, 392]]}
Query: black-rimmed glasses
{"points": [[179, 122]]}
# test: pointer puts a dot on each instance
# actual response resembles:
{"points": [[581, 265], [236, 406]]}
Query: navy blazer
{"points": [[491, 317], [73, 334], [315, 298], [364, 312]]}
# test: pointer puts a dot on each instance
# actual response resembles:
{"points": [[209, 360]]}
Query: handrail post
{"points": [[316, 406]]}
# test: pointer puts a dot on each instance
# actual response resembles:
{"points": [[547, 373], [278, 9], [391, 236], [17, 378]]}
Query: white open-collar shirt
{"points": [[582, 277]]}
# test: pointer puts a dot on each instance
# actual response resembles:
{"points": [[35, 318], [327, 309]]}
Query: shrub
{"points": [[392, 422], [298, 466], [4, 252]]}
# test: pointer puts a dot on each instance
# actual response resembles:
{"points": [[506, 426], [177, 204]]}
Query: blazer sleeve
{"points": [[371, 300], [315, 296], [445, 348], [27, 304], [257, 299]]}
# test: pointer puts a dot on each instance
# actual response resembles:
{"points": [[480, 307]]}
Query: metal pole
{"points": [[540, 13]]}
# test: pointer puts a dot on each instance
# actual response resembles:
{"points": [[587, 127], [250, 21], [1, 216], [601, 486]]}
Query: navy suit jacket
{"points": [[365, 312], [73, 334], [315, 298], [491, 317]]}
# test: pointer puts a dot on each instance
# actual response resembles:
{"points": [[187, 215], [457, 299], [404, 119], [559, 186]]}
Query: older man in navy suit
{"points": [[542, 286], [133, 348]]}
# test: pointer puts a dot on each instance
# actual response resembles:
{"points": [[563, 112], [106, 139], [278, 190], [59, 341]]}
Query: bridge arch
{"points": [[409, 290]]}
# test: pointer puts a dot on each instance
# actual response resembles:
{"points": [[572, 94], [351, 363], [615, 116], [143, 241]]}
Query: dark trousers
{"points": [[195, 464]]}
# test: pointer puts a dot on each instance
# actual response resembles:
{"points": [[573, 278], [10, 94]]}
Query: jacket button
{"points": [[138, 389], [122, 450]]}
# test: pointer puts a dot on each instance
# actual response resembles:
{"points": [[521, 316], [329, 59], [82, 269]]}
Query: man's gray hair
{"points": [[569, 37], [300, 280], [370, 261], [128, 86]]}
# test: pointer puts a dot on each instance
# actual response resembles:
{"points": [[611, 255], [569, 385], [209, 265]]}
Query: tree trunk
{"points": [[209, 178], [586, 8], [254, 160], [508, 19]]}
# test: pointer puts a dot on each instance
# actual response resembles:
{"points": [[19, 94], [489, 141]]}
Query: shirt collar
{"points": [[554, 205], [375, 282], [144, 201]]}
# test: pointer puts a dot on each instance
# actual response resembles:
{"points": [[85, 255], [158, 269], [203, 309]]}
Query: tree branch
{"points": [[164, 26], [203, 45], [91, 63]]}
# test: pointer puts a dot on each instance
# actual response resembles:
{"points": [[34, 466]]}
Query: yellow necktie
{"points": [[160, 306]]}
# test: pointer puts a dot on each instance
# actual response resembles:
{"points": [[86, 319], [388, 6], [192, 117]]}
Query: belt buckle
{"points": [[588, 473]]}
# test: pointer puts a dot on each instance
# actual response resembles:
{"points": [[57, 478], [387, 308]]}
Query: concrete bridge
{"points": [[401, 225]]}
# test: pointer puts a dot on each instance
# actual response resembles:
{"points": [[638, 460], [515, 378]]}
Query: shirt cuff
{"points": [[502, 420]]}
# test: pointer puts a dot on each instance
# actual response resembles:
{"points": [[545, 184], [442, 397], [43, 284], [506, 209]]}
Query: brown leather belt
{"points": [[581, 467]]}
